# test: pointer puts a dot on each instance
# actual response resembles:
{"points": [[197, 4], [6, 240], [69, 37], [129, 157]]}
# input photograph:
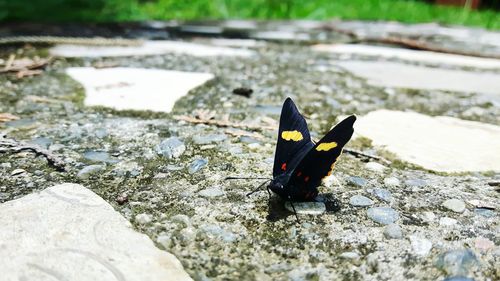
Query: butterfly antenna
{"points": [[258, 187], [245, 178], [295, 212]]}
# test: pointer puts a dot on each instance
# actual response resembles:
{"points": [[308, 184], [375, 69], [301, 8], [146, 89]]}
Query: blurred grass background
{"points": [[410, 11]]}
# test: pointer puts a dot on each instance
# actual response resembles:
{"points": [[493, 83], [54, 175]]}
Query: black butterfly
{"points": [[300, 164]]}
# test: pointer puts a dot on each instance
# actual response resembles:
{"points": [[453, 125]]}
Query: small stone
{"points": [[180, 219], [99, 156], [415, 182], [170, 148], [383, 215], [216, 232], [206, 139], [211, 192], [197, 165], [143, 218], [17, 172], [357, 181], [457, 262], [376, 167], [487, 213], [481, 204], [454, 205], [122, 198], [392, 182], [360, 201], [483, 244], [307, 208], [421, 246], [350, 255], [42, 142], [428, 216], [164, 240], [87, 171], [393, 231], [382, 194], [445, 221]]}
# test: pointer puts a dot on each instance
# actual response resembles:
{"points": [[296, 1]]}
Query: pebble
{"points": [[164, 240], [457, 262], [483, 244], [415, 182], [454, 205], [445, 221], [17, 172], [360, 201], [211, 192], [206, 139], [383, 215], [392, 182], [170, 148], [197, 165], [428, 216], [350, 255], [87, 171], [99, 156], [376, 167], [393, 231], [180, 219], [484, 212], [357, 181], [421, 246], [382, 194], [307, 208], [215, 231], [143, 218], [42, 142]]}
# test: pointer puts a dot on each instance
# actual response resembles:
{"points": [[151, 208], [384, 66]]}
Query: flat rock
{"points": [[409, 139], [455, 205], [212, 192], [307, 208], [360, 201], [421, 246], [147, 48], [125, 88], [398, 75], [67, 232], [409, 55]]}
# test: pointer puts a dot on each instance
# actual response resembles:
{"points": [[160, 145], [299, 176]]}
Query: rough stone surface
{"points": [[408, 139], [390, 74], [146, 49], [136, 88], [66, 232]]}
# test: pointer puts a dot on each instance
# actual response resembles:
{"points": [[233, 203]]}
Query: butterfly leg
{"points": [[258, 188], [294, 211]]}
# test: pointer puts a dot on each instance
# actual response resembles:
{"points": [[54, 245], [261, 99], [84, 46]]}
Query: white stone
{"points": [[244, 43], [421, 246], [392, 182], [307, 208], [445, 221], [136, 88], [455, 205], [67, 232], [399, 75], [376, 167], [455, 146], [147, 48], [143, 218], [410, 55]]}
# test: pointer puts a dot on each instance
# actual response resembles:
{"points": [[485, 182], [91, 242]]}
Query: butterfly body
{"points": [[300, 164]]}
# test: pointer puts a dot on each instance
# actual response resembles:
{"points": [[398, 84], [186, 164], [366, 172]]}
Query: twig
{"points": [[359, 154], [223, 123], [13, 146]]}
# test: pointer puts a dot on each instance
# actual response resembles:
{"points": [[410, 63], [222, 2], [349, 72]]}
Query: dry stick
{"points": [[406, 42], [35, 65], [220, 123], [11, 145]]}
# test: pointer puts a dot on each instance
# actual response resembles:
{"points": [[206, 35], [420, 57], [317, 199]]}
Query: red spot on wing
{"points": [[283, 166], [299, 174], [306, 179]]}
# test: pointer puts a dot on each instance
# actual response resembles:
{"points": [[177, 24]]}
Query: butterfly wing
{"points": [[319, 161], [294, 139]]}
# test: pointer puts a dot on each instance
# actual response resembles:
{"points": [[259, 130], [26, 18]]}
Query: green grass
{"points": [[410, 11]]}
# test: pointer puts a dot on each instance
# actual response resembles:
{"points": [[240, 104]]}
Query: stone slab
{"points": [[136, 88], [147, 48], [443, 144], [67, 232], [409, 55], [390, 74]]}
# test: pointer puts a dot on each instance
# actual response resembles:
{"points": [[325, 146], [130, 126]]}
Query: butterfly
{"points": [[299, 163]]}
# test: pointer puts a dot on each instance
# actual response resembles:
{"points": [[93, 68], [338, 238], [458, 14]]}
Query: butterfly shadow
{"points": [[277, 210]]}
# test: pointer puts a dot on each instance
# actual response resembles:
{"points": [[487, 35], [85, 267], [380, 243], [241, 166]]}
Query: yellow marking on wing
{"points": [[292, 135], [326, 146]]}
